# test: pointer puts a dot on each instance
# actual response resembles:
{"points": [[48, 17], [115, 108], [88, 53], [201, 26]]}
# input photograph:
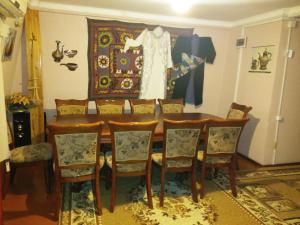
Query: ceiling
{"points": [[219, 10]]}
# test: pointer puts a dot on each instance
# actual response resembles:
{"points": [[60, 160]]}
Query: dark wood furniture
{"points": [[238, 111], [181, 141], [171, 105], [142, 106], [83, 141], [131, 153], [21, 128], [71, 106], [105, 135], [221, 141], [105, 106]]}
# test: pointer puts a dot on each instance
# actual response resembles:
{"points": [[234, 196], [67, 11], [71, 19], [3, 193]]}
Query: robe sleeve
{"points": [[135, 43], [169, 55], [210, 51], [177, 50]]}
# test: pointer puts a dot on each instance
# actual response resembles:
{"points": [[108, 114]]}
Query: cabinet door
{"points": [[21, 128], [289, 129]]}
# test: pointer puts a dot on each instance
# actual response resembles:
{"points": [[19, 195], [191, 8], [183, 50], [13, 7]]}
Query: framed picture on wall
{"points": [[9, 43], [261, 61]]}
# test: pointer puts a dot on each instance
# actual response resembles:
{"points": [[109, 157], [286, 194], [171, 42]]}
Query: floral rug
{"points": [[178, 208], [271, 195], [78, 208]]}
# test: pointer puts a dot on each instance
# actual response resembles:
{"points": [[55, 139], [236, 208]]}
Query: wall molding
{"points": [[161, 19]]}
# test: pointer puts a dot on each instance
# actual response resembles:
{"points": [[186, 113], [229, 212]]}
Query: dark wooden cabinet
{"points": [[21, 128]]}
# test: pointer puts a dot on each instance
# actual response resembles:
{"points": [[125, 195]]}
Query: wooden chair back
{"points": [[131, 142], [105, 106], [171, 105], [76, 146], [142, 106], [238, 111], [222, 137], [181, 142], [71, 106]]}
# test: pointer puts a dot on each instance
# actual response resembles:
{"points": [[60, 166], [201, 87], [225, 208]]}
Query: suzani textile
{"points": [[114, 73]]}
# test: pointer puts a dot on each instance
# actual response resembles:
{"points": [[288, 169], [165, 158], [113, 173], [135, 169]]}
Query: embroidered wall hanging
{"points": [[114, 73]]}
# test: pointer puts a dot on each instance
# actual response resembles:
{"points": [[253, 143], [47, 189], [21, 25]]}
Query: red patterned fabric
{"points": [[114, 73]]}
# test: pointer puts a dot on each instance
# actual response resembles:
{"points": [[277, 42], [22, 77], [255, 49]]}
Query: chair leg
{"points": [[237, 165], [58, 186], [12, 173], [47, 175], [232, 178], [162, 187], [193, 184], [107, 178], [202, 179], [148, 187], [98, 194], [113, 192]]}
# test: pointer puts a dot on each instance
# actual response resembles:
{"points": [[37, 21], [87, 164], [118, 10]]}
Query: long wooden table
{"points": [[105, 136]]}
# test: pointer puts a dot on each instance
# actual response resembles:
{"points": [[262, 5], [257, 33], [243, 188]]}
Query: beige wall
{"points": [[256, 89], [59, 82]]}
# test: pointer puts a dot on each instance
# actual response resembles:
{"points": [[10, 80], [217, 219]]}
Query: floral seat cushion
{"points": [[31, 153], [157, 158], [172, 108], [81, 172], [213, 160], [125, 168]]}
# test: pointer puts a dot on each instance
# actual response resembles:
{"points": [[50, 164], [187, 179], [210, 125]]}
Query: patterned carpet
{"points": [[271, 195], [268, 196]]}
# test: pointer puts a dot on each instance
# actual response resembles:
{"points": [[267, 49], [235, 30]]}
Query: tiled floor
{"points": [[27, 203]]}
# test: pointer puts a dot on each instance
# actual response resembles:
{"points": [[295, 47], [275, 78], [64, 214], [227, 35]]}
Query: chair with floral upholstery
{"points": [[77, 156], [110, 106], [171, 105], [142, 106], [221, 141], [131, 153], [71, 106], [36, 155], [180, 144], [238, 111]]}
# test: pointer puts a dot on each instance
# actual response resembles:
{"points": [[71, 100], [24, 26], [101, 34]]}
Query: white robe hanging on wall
{"points": [[157, 58]]}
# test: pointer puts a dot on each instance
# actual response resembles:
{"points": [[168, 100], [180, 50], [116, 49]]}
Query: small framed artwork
{"points": [[241, 42], [9, 43], [261, 61]]}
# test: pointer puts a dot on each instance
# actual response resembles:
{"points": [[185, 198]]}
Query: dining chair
{"points": [[171, 105], [238, 111], [77, 156], [34, 155], [71, 106], [142, 106], [221, 142], [181, 141], [109, 106], [131, 153]]}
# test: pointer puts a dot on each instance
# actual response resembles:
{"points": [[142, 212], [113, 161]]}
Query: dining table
{"points": [[105, 134]]}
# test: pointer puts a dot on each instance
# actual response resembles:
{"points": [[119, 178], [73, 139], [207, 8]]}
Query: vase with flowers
{"points": [[19, 102]]}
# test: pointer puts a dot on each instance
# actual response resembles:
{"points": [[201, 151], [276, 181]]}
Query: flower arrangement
{"points": [[18, 101]]}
